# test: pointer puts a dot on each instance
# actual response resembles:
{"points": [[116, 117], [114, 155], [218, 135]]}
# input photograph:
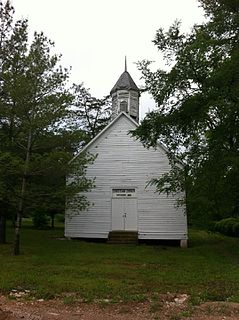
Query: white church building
{"points": [[123, 205]]}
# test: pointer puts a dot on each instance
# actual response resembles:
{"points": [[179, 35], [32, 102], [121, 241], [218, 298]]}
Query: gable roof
{"points": [[125, 82], [122, 114]]}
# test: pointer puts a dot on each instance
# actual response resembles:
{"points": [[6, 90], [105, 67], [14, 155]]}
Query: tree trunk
{"points": [[2, 227], [18, 223]]}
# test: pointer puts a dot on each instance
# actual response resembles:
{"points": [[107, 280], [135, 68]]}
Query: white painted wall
{"points": [[122, 161]]}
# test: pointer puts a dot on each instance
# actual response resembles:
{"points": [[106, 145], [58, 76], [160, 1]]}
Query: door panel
{"points": [[131, 214], [124, 214], [117, 212]]}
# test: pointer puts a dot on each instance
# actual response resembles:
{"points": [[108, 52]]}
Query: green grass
{"points": [[48, 267]]}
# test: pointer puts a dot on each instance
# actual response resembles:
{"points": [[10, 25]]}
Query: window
{"points": [[124, 106]]}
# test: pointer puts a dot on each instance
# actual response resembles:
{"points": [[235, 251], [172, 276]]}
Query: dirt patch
{"points": [[166, 307], [217, 310]]}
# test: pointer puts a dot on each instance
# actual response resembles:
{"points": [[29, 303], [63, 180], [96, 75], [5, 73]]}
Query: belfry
{"points": [[125, 96]]}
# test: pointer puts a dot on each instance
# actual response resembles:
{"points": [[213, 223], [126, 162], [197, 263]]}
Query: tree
{"points": [[50, 166], [90, 114], [34, 105], [9, 173], [8, 180], [198, 110]]}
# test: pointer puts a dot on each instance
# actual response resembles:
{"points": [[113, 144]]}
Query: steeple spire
{"points": [[125, 63]]}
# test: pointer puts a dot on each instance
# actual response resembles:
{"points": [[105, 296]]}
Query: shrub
{"points": [[228, 226], [60, 217], [40, 220]]}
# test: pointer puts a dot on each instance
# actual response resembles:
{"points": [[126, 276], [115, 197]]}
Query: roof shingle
{"points": [[125, 82]]}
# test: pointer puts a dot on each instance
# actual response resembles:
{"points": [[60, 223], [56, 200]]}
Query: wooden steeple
{"points": [[125, 96]]}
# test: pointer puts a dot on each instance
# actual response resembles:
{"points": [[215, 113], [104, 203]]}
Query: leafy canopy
{"points": [[197, 114], [37, 140]]}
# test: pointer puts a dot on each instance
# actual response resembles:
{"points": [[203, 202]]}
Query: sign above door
{"points": [[123, 193]]}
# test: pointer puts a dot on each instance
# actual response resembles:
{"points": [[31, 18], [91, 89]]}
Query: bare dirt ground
{"points": [[170, 307]]}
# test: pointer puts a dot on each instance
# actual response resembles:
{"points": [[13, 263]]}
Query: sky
{"points": [[94, 36]]}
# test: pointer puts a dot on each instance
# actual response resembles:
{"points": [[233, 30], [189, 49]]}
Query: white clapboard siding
{"points": [[123, 162]]}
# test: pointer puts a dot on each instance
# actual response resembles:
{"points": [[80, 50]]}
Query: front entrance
{"points": [[124, 210]]}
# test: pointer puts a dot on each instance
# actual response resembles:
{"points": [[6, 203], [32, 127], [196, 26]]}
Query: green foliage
{"points": [[89, 113], [40, 220], [228, 226], [198, 111], [37, 139], [60, 217]]}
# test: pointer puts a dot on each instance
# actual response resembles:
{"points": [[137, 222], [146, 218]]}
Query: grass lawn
{"points": [[49, 267]]}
